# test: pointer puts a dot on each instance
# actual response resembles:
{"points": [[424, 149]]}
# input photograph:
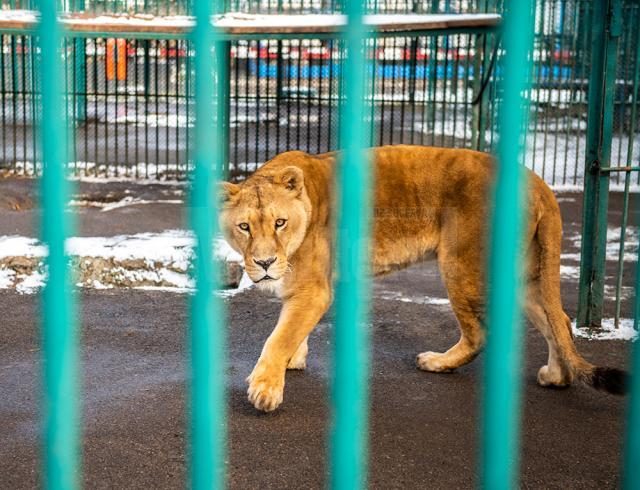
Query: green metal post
{"points": [[502, 386], [59, 329], [208, 402], [631, 475], [351, 358], [606, 28]]}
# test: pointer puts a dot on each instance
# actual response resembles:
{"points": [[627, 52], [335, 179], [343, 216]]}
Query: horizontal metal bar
{"points": [[232, 26], [619, 169]]}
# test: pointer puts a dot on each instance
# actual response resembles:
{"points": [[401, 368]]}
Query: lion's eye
{"points": [[280, 222], [244, 226]]}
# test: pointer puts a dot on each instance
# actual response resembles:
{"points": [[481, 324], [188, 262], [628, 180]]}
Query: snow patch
{"points": [[6, 278], [29, 284], [570, 272], [141, 260], [20, 246], [625, 331], [422, 300], [126, 201], [613, 244]]}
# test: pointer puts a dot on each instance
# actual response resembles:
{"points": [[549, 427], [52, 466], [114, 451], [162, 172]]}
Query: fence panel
{"points": [[133, 99]]}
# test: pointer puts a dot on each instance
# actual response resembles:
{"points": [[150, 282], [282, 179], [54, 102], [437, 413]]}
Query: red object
{"points": [[116, 59]]}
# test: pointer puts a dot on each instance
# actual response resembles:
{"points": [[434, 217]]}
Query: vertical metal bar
{"points": [[147, 88], [23, 80], [332, 63], [572, 91], [501, 415], [187, 103], [34, 100], [116, 62], [167, 81], [156, 95], [62, 430], [631, 475], [14, 97], [3, 97], [207, 320], [350, 394], [223, 113], [623, 236], [586, 20], [606, 29], [80, 66], [176, 104]]}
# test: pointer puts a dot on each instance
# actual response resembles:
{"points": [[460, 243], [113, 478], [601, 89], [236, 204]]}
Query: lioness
{"points": [[427, 200]]}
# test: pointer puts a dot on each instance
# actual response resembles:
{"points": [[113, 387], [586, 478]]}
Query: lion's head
{"points": [[265, 219]]}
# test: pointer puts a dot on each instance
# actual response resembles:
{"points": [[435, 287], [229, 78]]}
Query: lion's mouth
{"points": [[265, 278]]}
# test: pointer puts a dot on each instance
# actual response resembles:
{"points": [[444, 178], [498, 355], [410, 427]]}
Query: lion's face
{"points": [[265, 219]]}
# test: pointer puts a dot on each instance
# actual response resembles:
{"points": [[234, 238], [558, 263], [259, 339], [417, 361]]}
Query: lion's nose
{"points": [[265, 263]]}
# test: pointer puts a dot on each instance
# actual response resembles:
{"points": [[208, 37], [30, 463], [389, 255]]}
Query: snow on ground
{"points": [[161, 262], [570, 271], [613, 244], [124, 202], [20, 246], [145, 259], [625, 330], [140, 173], [419, 299], [6, 278]]}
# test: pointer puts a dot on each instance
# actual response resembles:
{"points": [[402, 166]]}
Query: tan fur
{"points": [[427, 200]]}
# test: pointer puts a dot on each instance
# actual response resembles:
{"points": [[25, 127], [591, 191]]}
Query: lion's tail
{"points": [[549, 237]]}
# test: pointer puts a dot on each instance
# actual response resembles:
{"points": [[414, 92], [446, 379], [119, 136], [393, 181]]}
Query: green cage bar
{"points": [[59, 329], [208, 402], [501, 403], [351, 357], [631, 475]]}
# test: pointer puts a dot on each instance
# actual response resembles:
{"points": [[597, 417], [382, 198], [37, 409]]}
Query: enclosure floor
{"points": [[424, 427]]}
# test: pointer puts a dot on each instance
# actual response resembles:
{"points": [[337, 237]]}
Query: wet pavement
{"points": [[423, 426]]}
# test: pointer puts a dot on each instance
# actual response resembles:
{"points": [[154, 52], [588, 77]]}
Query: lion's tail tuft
{"points": [[611, 380]]}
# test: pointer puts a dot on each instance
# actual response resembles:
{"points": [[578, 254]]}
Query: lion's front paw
{"points": [[265, 393], [433, 362]]}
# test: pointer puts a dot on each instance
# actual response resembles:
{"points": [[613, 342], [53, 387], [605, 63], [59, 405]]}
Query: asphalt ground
{"points": [[423, 427]]}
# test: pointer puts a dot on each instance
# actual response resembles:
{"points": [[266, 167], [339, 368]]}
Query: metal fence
{"points": [[131, 102], [500, 416]]}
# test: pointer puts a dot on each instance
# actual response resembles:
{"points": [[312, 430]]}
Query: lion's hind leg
{"points": [[465, 296], [555, 326]]}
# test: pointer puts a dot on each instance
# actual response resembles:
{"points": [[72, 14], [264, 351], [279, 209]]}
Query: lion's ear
{"points": [[226, 190], [291, 177]]}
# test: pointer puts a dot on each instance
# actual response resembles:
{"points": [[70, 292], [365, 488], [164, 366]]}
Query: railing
{"points": [[502, 383]]}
